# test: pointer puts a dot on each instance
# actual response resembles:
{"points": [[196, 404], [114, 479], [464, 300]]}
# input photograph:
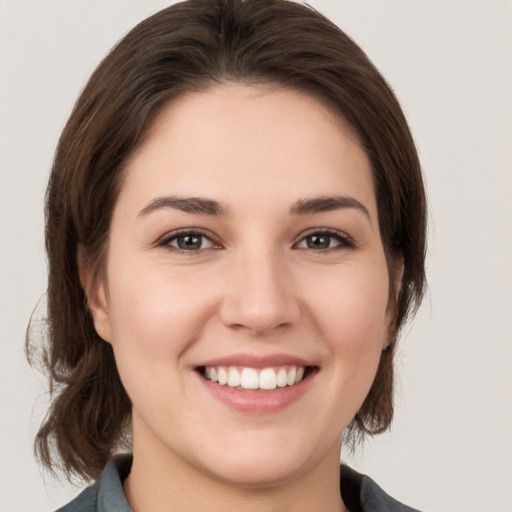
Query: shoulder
{"points": [[106, 494], [361, 494], [84, 502]]}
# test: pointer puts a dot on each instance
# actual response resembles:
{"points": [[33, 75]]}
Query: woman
{"points": [[235, 229]]}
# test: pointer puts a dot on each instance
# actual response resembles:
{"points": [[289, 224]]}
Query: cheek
{"points": [[156, 312], [350, 307], [155, 318], [350, 312]]}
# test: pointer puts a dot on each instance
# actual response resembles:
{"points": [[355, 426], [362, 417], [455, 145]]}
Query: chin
{"points": [[264, 464], [262, 474]]}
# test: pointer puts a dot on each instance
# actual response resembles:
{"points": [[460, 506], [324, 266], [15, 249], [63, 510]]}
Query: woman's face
{"points": [[245, 248]]}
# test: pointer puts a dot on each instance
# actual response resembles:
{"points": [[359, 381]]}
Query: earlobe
{"points": [[95, 292]]}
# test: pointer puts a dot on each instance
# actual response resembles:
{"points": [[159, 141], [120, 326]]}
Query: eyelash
{"points": [[344, 241], [165, 242]]}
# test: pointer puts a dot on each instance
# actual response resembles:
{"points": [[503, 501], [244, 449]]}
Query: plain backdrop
{"points": [[450, 63]]}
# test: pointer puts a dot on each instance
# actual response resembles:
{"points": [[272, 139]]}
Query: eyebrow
{"points": [[203, 206], [197, 205], [327, 204]]}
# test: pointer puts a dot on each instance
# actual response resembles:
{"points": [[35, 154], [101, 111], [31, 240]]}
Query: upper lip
{"points": [[256, 361]]}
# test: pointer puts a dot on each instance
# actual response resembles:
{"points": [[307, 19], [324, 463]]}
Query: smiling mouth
{"points": [[264, 379]]}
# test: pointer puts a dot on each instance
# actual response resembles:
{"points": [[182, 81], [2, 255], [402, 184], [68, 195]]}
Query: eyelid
{"points": [[346, 241], [164, 241]]}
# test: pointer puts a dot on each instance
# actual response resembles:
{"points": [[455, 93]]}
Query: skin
{"points": [[256, 288]]}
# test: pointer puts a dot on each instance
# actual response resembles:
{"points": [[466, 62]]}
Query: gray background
{"points": [[450, 63]]}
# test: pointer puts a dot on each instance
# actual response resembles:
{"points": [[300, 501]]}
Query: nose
{"points": [[259, 295]]}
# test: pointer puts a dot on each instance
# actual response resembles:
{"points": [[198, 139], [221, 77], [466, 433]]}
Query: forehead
{"points": [[248, 142]]}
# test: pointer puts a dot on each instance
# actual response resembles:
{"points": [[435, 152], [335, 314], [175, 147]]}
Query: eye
{"points": [[324, 240], [189, 241]]}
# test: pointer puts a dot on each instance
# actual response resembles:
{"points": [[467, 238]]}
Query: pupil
{"points": [[318, 242], [189, 242]]}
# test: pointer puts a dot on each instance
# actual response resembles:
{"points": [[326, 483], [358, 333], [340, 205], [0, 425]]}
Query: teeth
{"points": [[233, 378], [222, 376], [282, 378], [250, 378], [268, 379], [292, 374]]}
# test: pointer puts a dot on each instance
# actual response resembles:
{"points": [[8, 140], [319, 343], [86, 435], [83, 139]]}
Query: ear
{"points": [[397, 275], [95, 290]]}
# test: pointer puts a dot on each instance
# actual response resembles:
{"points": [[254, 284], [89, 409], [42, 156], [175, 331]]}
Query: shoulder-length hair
{"points": [[193, 46]]}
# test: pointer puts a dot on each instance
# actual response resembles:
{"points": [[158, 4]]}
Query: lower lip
{"points": [[260, 401]]}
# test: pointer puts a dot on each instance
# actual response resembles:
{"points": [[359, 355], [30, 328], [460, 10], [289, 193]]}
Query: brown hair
{"points": [[187, 47]]}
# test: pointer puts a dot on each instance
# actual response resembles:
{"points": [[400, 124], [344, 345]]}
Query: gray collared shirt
{"points": [[359, 492]]}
